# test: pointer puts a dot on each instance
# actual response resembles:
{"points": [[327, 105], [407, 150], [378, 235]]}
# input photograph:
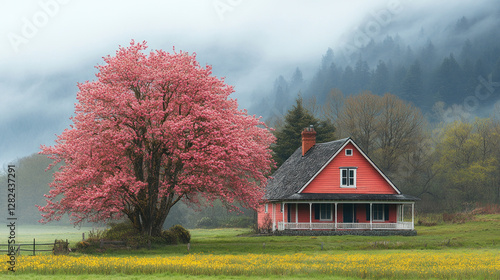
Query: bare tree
{"points": [[358, 119]]}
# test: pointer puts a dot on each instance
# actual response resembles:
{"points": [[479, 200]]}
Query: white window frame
{"points": [[321, 212], [377, 210], [282, 207], [266, 208], [348, 170], [350, 152]]}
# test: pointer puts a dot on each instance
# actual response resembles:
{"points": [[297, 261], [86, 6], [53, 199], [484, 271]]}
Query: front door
{"points": [[348, 212]]}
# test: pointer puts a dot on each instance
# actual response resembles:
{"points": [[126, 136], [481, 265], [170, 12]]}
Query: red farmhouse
{"points": [[333, 186]]}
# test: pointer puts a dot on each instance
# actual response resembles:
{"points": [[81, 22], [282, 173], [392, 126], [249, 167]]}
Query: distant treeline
{"points": [[422, 75]]}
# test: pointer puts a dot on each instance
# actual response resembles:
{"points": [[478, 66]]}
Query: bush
{"points": [[169, 237], [458, 218], [267, 224], [207, 222], [90, 243], [182, 234], [487, 209], [120, 231], [126, 232], [239, 222]]}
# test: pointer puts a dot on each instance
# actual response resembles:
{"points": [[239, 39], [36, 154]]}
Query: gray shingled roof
{"points": [[297, 170]]}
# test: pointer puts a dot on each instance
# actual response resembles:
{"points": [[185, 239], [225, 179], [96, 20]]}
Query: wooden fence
{"points": [[29, 247]]}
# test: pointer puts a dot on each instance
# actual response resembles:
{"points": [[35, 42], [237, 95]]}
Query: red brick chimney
{"points": [[308, 139]]}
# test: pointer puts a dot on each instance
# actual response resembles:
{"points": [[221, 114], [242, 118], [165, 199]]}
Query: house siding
{"points": [[303, 213], [368, 179]]}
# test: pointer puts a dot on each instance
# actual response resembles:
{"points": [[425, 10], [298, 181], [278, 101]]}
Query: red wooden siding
{"points": [[303, 214], [277, 212], [261, 214], [368, 179]]}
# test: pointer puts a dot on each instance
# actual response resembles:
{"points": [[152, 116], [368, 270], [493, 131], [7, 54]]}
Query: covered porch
{"points": [[344, 215]]}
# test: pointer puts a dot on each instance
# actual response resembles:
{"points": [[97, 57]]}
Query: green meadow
{"points": [[478, 238]]}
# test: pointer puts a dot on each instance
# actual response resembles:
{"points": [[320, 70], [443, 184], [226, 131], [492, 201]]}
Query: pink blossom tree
{"points": [[153, 130]]}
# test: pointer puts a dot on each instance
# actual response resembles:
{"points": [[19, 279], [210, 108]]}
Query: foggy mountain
{"points": [[423, 59]]}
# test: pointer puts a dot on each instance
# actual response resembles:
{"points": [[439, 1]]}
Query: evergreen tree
{"points": [[448, 81], [397, 80], [281, 94], [380, 79], [297, 81], [288, 135], [348, 81], [412, 87], [361, 75]]}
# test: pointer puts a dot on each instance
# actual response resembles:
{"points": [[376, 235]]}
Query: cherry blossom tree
{"points": [[153, 130]]}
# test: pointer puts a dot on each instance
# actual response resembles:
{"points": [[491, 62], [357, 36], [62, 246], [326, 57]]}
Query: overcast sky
{"points": [[48, 46]]}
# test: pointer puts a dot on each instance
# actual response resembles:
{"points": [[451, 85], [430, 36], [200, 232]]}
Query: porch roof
{"points": [[347, 197]]}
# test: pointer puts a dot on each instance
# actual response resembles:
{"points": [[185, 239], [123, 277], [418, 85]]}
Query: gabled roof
{"points": [[298, 171]]}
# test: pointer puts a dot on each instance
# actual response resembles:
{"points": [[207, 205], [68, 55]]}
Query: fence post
{"points": [[83, 236], [34, 247]]}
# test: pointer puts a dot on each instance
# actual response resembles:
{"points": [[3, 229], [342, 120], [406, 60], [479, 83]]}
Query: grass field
{"points": [[460, 251]]}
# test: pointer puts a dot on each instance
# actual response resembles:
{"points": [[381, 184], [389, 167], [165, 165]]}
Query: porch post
{"points": [[296, 214], [283, 214], [310, 216], [274, 218], [335, 215], [402, 212], [413, 215], [371, 216]]}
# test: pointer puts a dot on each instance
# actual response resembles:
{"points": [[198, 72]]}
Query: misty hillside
{"points": [[457, 62]]}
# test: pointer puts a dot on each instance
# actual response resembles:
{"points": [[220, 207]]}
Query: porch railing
{"points": [[341, 226]]}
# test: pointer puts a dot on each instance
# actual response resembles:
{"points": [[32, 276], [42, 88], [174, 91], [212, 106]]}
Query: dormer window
{"points": [[348, 177], [348, 152]]}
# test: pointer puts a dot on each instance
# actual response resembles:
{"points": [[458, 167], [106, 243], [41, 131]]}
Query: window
{"points": [[348, 152], [266, 209], [348, 177], [323, 212], [282, 207], [378, 212]]}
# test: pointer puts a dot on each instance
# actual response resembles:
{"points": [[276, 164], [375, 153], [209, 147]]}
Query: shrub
{"points": [[267, 224], [458, 218], [120, 231], [487, 209], [169, 237], [82, 245], [207, 222], [90, 243], [183, 235], [239, 222], [126, 232]]}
